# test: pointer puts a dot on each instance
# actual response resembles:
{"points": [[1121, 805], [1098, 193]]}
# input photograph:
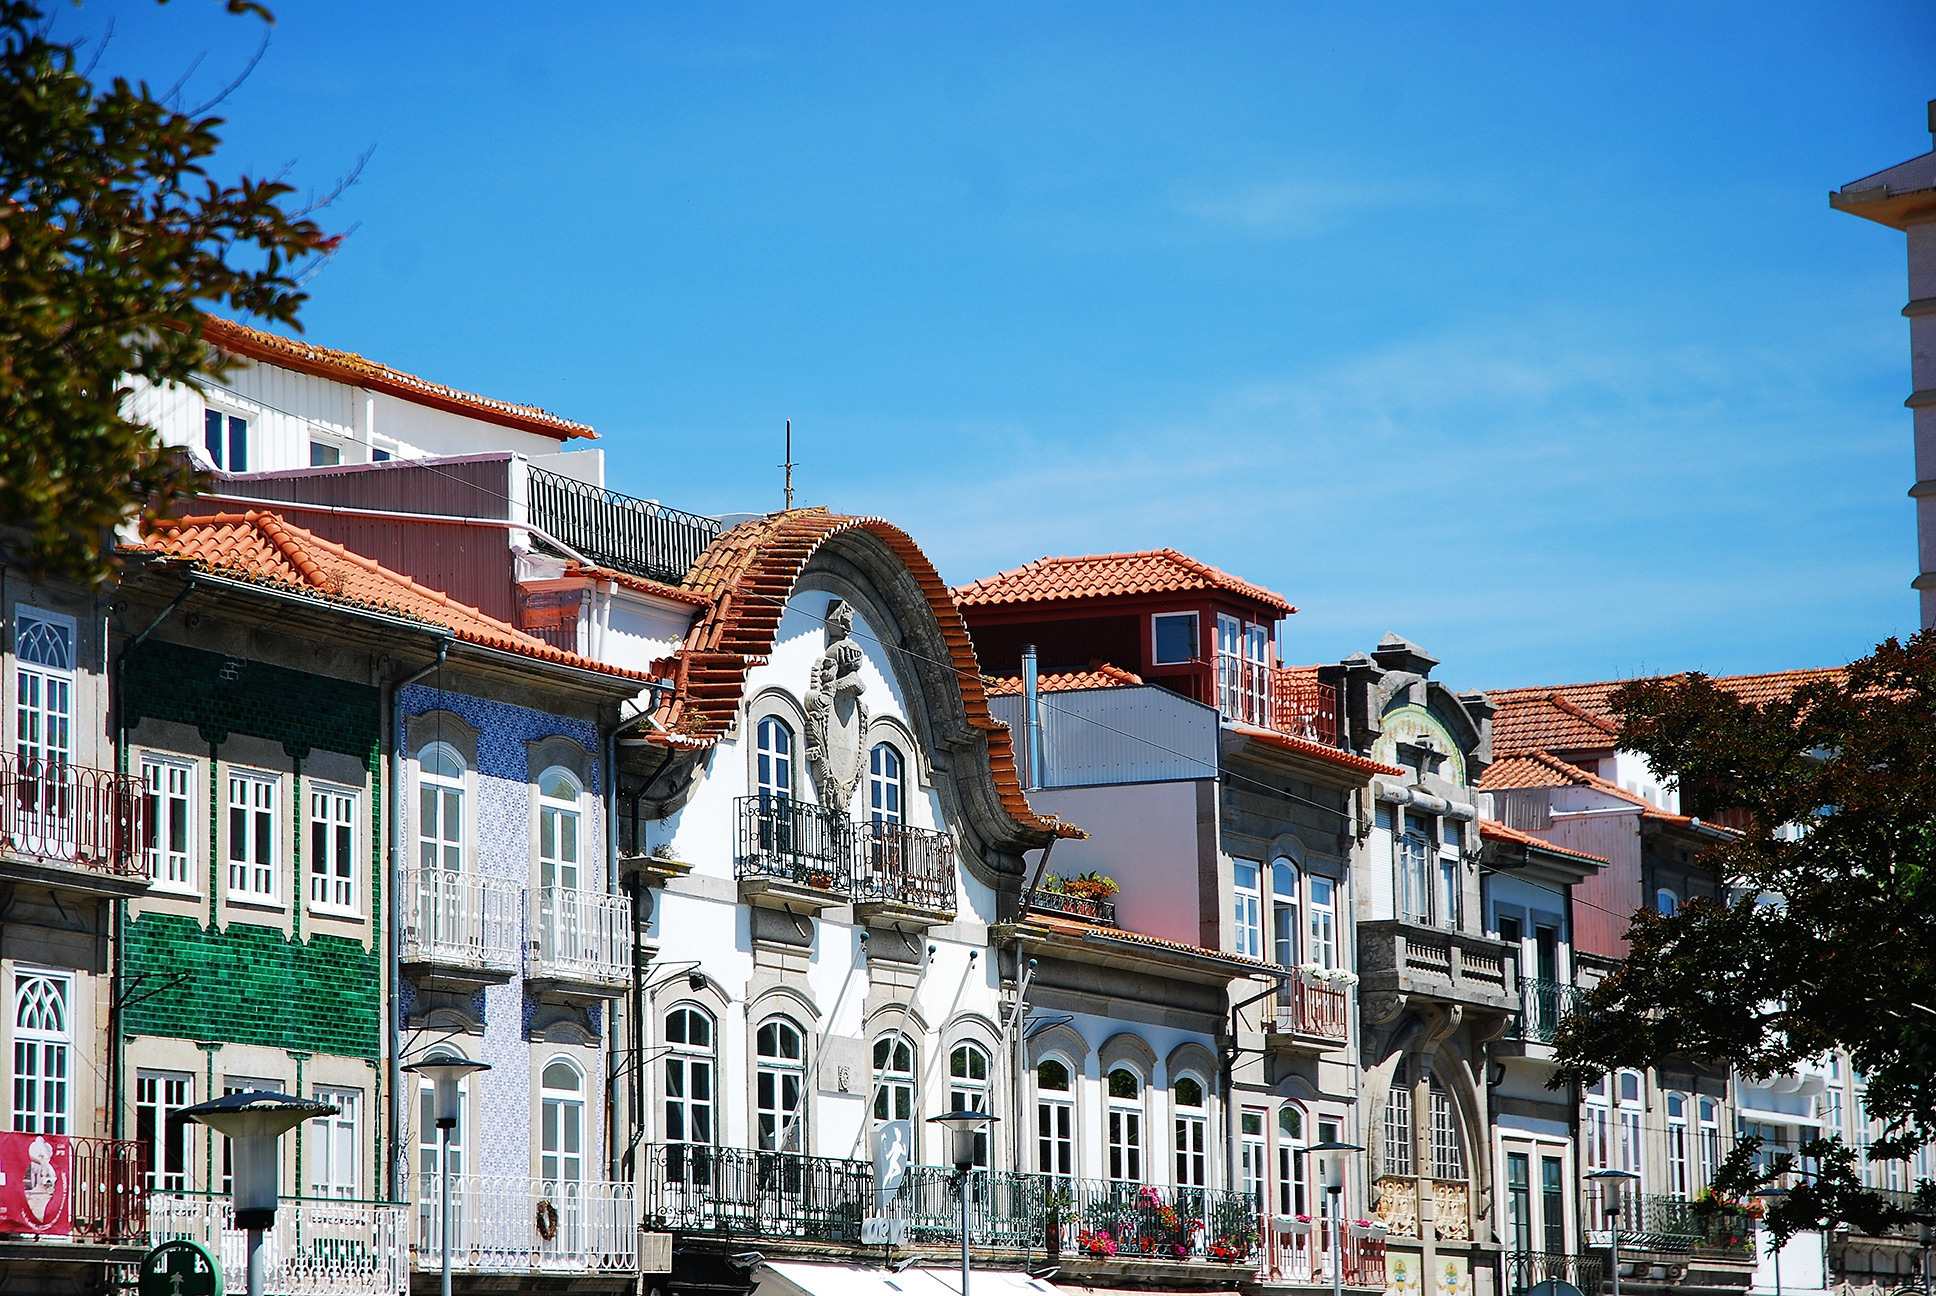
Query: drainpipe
{"points": [[116, 1057], [396, 901], [1032, 717], [610, 745]]}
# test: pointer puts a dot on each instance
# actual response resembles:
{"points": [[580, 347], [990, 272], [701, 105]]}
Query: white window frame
{"points": [[1323, 946], [43, 1053], [1293, 1188], [886, 791], [691, 1079], [895, 1094], [1253, 1169], [158, 1098], [1196, 639], [334, 811], [966, 1092], [1287, 933], [169, 869], [1679, 1170], [775, 773], [1247, 917], [437, 849], [1123, 1127], [222, 452], [260, 879], [1192, 1130], [333, 1160], [771, 1073], [1055, 1122], [564, 1142], [561, 831]]}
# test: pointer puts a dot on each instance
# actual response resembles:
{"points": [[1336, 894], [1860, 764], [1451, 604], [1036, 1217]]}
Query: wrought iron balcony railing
{"points": [[351, 1248], [695, 1188], [638, 536], [461, 921], [509, 1224], [57, 812], [1524, 1270], [785, 840], [1304, 707], [1305, 1008], [1675, 1225], [107, 1195], [1543, 1005], [1088, 908], [1302, 1254], [580, 937], [898, 864]]}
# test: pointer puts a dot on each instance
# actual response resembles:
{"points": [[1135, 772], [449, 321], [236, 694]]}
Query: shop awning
{"points": [[790, 1279]]}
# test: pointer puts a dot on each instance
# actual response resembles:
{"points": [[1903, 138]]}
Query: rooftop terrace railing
{"points": [[638, 536]]}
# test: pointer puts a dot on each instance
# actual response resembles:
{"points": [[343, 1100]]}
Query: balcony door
{"points": [[432, 1155], [567, 931], [43, 733], [561, 1151], [689, 1079]]}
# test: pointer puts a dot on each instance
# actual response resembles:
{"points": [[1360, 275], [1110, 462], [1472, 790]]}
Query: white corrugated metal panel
{"points": [[1097, 737]]}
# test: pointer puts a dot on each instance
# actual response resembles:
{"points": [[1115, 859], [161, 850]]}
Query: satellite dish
{"points": [[1553, 1287]]}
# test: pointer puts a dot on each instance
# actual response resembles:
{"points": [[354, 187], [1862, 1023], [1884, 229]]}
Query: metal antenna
{"points": [[789, 465]]}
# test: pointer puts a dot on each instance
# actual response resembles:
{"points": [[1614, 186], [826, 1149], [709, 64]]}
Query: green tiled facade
{"points": [[248, 984]]}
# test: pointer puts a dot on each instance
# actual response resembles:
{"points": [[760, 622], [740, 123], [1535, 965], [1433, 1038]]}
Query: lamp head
{"points": [[255, 1124], [962, 1125], [1331, 1162], [445, 1074]]}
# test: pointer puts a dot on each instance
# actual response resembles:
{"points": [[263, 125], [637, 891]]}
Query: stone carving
{"points": [[836, 716], [1398, 1205], [1452, 1223]]}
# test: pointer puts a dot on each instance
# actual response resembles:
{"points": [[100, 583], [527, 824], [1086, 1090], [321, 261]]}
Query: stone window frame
{"points": [[423, 731], [776, 701], [591, 868], [780, 1003]]}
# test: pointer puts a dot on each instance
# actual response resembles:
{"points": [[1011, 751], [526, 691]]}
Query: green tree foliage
{"points": [[113, 240], [1828, 937]]}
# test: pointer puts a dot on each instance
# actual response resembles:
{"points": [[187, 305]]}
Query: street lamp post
{"points": [[1617, 1179], [255, 1124], [445, 1074], [962, 1126], [1773, 1195], [1331, 1170]]}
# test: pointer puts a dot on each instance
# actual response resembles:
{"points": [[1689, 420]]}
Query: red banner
{"points": [[35, 1171]]}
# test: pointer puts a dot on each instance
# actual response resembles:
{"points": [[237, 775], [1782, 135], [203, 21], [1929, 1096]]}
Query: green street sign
{"points": [[180, 1269]]}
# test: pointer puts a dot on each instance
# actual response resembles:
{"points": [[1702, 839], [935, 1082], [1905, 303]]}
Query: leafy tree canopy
{"points": [[1828, 937], [113, 240]]}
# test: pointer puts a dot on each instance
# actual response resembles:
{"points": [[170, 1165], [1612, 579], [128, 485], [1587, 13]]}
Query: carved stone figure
{"points": [[836, 716]]}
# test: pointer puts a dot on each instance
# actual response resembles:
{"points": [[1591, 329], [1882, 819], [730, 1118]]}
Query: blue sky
{"points": [[1526, 332]]}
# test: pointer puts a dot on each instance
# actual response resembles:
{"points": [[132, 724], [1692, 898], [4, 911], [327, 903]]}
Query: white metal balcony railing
{"points": [[578, 936], [318, 1247], [460, 920], [499, 1223]]}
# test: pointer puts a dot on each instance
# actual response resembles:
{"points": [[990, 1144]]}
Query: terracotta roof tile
{"points": [[748, 574], [1091, 931], [1152, 571], [1499, 832], [1575, 717], [1323, 751], [349, 367], [1543, 769], [261, 546], [1099, 675]]}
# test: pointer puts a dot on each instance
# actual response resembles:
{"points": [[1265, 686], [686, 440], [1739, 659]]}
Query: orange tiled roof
{"points": [[1152, 571], [747, 576], [1543, 769], [1323, 751], [1099, 675], [1499, 832], [349, 367], [1090, 931], [1574, 717], [644, 585], [263, 547]]}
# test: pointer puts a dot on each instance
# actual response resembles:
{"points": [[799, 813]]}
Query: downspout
{"points": [[612, 1155], [116, 1055], [1032, 717], [395, 960]]}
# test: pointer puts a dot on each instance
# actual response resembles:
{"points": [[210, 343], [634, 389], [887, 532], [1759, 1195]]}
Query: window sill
{"points": [[174, 891], [254, 902], [340, 915]]}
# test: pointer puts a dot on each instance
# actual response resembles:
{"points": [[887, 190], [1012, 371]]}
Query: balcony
{"points": [[460, 931], [1524, 1270], [578, 944], [1306, 1009], [1300, 1252], [1677, 1226], [1054, 896], [505, 1224], [792, 852], [639, 536], [1543, 1006], [355, 1248], [903, 871], [71, 827], [1431, 963], [731, 1192], [107, 1202], [1303, 707]]}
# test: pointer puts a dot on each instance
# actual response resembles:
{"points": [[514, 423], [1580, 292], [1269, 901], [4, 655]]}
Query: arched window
{"points": [[968, 1086], [558, 829], [1284, 915], [1666, 903], [1192, 1133], [1125, 1125], [690, 1069], [42, 1053], [1324, 922], [1595, 1125], [775, 760], [561, 1134], [779, 1085], [884, 784], [432, 1151], [1448, 1150], [440, 809], [1628, 1105], [1709, 1114], [1398, 1122], [1055, 1136], [1246, 918], [1677, 1166], [893, 1079], [1291, 1194]]}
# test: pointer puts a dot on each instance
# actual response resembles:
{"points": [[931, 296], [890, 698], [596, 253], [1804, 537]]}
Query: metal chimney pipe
{"points": [[1032, 716]]}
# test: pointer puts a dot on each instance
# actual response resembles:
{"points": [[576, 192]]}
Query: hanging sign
{"points": [[180, 1268], [35, 1172]]}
